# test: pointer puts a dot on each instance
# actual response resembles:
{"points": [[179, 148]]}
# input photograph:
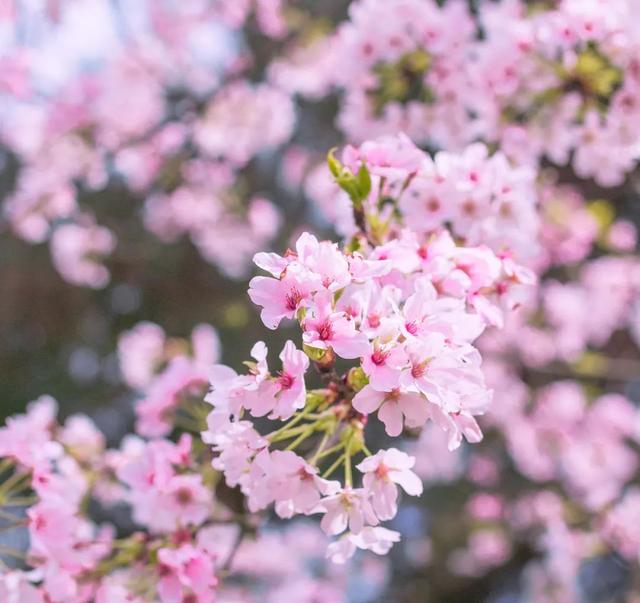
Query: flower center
{"points": [[304, 475], [293, 298], [374, 321], [379, 357], [40, 523], [325, 332], [418, 369], [393, 395], [285, 380], [469, 207], [411, 327], [433, 205], [184, 496], [382, 471]]}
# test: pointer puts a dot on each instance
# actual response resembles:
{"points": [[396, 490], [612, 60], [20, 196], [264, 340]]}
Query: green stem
{"points": [[5, 464], [301, 438], [14, 482], [320, 448], [332, 450], [291, 433], [306, 411], [290, 424], [333, 467], [348, 478]]}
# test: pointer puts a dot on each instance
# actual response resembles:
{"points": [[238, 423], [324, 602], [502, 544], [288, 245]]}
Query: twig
{"points": [[236, 545]]}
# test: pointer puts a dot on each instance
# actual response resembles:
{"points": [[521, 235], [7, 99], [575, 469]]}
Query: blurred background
{"points": [[61, 338], [181, 138]]}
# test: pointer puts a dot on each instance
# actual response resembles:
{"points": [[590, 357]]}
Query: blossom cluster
{"points": [[388, 323], [476, 328], [558, 80], [179, 122], [177, 538], [404, 306], [574, 432], [167, 372], [175, 131], [181, 531], [59, 469]]}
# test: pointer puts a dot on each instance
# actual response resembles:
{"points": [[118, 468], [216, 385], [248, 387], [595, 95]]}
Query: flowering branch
{"points": [[393, 308]]}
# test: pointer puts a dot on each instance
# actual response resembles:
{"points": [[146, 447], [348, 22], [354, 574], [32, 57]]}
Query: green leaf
{"points": [[356, 186], [354, 245], [364, 181], [335, 166], [315, 354]]}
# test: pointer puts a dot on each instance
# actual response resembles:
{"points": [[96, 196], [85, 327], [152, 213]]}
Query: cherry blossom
{"points": [[381, 474], [474, 324]]}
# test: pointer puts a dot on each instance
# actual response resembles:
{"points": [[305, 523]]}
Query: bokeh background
{"points": [[60, 338]]}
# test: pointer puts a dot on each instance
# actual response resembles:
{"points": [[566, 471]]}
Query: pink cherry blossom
{"points": [[285, 478], [382, 472], [394, 408], [16, 588], [324, 328], [281, 298], [292, 394], [383, 364], [186, 571], [348, 508], [376, 539]]}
